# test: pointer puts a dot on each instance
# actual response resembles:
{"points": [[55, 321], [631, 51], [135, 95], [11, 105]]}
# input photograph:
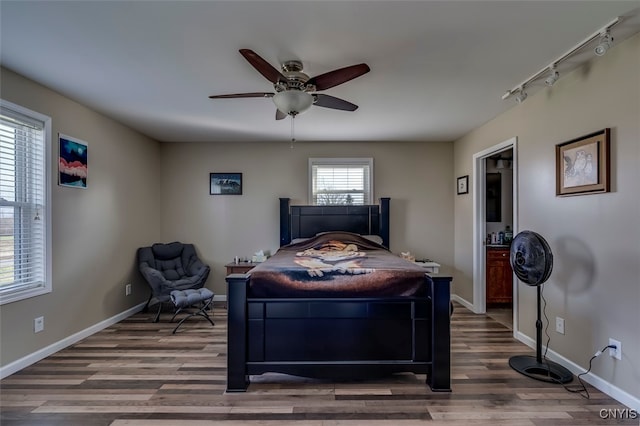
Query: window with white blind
{"points": [[25, 242], [340, 181]]}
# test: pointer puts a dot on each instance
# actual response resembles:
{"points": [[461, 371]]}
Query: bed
{"points": [[334, 303]]}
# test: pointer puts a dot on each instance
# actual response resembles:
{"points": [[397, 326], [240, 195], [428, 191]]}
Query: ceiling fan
{"points": [[295, 90]]}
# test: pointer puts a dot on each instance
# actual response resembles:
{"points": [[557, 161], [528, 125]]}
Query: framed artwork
{"points": [[72, 162], [225, 183], [463, 185], [582, 165]]}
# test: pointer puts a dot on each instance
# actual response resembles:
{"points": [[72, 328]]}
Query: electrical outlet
{"points": [[560, 325], [617, 352], [38, 324], [127, 289]]}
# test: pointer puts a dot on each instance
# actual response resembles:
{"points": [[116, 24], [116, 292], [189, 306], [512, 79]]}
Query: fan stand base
{"points": [[547, 371]]}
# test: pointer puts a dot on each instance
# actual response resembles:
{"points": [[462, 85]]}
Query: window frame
{"points": [[24, 291], [340, 161]]}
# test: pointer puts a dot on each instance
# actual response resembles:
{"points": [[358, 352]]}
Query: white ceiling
{"points": [[438, 68]]}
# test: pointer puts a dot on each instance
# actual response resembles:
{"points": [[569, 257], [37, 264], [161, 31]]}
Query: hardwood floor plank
{"points": [[137, 373]]}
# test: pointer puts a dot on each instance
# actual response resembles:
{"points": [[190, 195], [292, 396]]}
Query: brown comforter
{"points": [[337, 264]]}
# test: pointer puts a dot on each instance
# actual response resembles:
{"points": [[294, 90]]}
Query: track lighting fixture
{"points": [[605, 43], [553, 76], [522, 95], [550, 73]]}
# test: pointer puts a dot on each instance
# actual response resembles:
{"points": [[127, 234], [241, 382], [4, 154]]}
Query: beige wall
{"points": [[95, 231], [595, 239], [417, 177]]}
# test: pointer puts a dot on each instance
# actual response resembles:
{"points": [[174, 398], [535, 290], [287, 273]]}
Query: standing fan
{"points": [[532, 262]]}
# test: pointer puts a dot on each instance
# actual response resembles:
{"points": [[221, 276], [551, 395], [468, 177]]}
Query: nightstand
{"points": [[239, 268]]}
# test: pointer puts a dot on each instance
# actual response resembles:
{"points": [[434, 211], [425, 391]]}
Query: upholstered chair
{"points": [[168, 267]]}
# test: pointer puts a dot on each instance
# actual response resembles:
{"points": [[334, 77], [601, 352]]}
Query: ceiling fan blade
{"points": [[280, 115], [243, 95], [262, 66], [333, 78], [334, 103]]}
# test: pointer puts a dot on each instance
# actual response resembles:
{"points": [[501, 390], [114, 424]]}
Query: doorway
{"points": [[486, 221]]}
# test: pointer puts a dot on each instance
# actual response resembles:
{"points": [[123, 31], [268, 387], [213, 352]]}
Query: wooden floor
{"points": [[137, 373]]}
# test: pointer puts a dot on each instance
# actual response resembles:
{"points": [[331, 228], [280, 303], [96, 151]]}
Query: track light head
{"points": [[554, 75], [604, 44], [522, 95]]}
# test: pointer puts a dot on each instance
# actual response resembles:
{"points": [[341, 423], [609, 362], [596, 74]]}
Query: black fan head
{"points": [[531, 258]]}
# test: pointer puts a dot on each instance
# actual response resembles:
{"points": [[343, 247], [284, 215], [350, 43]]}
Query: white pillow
{"points": [[374, 238], [298, 240]]}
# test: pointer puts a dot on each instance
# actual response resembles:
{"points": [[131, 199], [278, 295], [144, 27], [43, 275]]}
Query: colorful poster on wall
{"points": [[72, 162]]}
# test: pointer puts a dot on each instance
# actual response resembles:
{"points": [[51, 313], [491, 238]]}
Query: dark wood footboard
{"points": [[338, 337]]}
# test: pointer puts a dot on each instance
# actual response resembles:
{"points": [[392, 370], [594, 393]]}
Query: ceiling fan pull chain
{"points": [[293, 139]]}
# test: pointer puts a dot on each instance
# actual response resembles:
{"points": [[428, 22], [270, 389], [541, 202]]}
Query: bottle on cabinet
{"points": [[508, 235], [492, 238]]}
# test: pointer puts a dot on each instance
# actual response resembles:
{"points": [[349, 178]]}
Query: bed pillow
{"points": [[375, 238], [298, 240]]}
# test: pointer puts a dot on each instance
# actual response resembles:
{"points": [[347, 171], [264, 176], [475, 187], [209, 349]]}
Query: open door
{"points": [[481, 165]]}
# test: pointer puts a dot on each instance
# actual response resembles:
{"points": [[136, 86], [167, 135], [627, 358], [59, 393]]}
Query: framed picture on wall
{"points": [[73, 166], [582, 165], [463, 184], [225, 183]]}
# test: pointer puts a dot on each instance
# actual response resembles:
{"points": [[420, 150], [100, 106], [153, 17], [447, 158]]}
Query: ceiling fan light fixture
{"points": [[293, 102]]}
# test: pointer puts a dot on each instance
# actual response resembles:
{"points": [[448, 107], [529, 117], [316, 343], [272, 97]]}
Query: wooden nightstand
{"points": [[239, 268]]}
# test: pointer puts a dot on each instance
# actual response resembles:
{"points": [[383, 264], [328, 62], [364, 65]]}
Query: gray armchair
{"points": [[168, 267]]}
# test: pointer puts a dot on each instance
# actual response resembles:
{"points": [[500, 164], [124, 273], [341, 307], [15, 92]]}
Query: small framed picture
{"points": [[463, 185], [72, 162], [225, 183], [582, 165]]}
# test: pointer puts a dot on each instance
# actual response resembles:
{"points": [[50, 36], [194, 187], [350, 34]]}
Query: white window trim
{"points": [[25, 293], [340, 160]]}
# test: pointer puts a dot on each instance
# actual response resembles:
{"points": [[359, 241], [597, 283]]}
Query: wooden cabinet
{"points": [[499, 276], [239, 268]]}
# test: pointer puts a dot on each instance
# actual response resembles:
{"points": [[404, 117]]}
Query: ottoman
{"points": [[200, 299]]}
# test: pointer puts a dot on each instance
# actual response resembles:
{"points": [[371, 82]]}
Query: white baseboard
{"points": [[26, 361], [462, 301], [597, 382], [220, 298]]}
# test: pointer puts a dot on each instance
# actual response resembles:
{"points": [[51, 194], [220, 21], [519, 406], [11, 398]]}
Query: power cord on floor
{"points": [[580, 389]]}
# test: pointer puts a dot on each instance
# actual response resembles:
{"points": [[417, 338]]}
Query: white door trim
{"points": [[479, 224]]}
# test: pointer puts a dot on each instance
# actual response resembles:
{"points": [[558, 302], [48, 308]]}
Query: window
{"points": [[25, 268], [340, 181]]}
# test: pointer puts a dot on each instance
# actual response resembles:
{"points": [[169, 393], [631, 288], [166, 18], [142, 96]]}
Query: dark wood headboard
{"points": [[307, 221]]}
